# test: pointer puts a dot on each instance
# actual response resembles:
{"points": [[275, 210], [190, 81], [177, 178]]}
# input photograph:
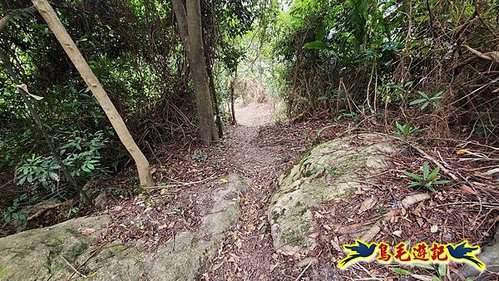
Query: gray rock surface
{"points": [[490, 256], [330, 171], [69, 249]]}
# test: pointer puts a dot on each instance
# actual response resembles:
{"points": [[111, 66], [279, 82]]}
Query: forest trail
{"points": [[256, 114], [260, 151], [246, 252]]}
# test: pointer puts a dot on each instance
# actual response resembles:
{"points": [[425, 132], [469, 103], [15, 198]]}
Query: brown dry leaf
{"points": [[468, 190], [117, 208], [216, 267], [434, 228], [462, 151], [421, 277], [492, 172], [233, 258], [371, 233], [336, 244], [250, 227], [420, 222], [367, 204], [235, 235], [274, 266], [318, 215], [163, 191], [413, 199]]}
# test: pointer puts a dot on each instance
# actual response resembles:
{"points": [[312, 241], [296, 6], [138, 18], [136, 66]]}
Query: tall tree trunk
{"points": [[231, 87], [98, 91], [218, 118], [188, 17]]}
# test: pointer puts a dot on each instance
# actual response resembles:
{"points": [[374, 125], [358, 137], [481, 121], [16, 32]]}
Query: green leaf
{"points": [[315, 45], [54, 176], [441, 182], [433, 175], [442, 269], [428, 186], [418, 101], [399, 127], [424, 106], [424, 265], [413, 176], [414, 184], [21, 181], [426, 170], [401, 271], [424, 95]]}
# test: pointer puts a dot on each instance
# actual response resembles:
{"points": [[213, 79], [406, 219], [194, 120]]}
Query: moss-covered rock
{"points": [[45, 253], [330, 171], [68, 250]]}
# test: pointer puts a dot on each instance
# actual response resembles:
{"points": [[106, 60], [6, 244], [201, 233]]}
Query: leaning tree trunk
{"points": [[98, 91], [188, 17]]}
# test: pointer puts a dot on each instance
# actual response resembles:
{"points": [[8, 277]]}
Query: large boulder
{"points": [[42, 253], [69, 250], [330, 171]]}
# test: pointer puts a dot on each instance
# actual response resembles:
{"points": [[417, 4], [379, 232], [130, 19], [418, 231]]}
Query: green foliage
{"points": [[428, 180], [401, 271], [83, 154], [387, 54], [315, 45], [80, 156], [15, 213], [427, 101], [405, 130], [37, 170]]}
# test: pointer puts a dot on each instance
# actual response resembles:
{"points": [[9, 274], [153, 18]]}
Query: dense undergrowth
{"points": [[134, 49], [420, 68], [434, 64]]}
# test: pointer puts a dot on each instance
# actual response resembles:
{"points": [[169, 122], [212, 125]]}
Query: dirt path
{"points": [[262, 154], [256, 114], [247, 252]]}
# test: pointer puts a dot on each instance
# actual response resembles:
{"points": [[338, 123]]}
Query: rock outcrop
{"points": [[330, 171], [69, 250]]}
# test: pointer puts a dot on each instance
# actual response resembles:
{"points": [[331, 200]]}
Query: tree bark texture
{"points": [[188, 15]]}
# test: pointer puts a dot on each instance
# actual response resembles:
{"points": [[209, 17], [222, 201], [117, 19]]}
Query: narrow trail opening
{"points": [[256, 114], [261, 151]]}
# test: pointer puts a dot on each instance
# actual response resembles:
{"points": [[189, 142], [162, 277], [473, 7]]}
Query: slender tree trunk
{"points": [[98, 91], [231, 87], [218, 119], [188, 17]]}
